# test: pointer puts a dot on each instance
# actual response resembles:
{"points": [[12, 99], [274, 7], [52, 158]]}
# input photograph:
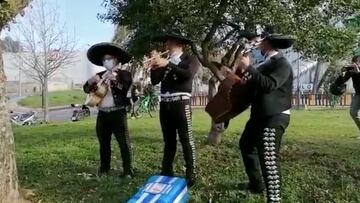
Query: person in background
{"points": [[134, 100], [352, 71]]}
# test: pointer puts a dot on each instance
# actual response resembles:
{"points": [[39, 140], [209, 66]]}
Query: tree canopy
{"points": [[216, 23], [9, 9]]}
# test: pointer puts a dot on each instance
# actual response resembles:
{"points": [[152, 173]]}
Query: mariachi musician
{"points": [[111, 118], [270, 115], [176, 75]]}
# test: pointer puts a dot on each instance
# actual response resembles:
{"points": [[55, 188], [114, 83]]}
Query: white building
{"points": [[66, 77], [305, 71]]}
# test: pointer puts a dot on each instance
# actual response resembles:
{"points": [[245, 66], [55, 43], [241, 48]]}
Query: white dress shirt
{"points": [[175, 58], [108, 100]]}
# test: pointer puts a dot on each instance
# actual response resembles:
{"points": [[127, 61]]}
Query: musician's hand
{"points": [[352, 68], [355, 70], [152, 65], [111, 76], [242, 62], [94, 79], [160, 62], [154, 53]]}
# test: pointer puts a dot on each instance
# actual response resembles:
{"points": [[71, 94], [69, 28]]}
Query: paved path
{"points": [[13, 105], [62, 113], [65, 114]]}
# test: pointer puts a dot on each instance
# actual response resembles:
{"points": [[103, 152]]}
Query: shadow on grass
{"points": [[74, 180]]}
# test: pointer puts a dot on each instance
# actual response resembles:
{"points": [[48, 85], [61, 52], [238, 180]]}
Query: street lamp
{"points": [[20, 67], [298, 80]]}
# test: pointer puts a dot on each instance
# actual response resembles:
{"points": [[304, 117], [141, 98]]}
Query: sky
{"points": [[81, 15]]}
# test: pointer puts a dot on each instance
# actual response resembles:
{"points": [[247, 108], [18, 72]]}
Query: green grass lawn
{"points": [[320, 160], [59, 98]]}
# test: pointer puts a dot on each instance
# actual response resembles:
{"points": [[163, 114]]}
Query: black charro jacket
{"points": [[176, 78], [119, 87], [272, 84]]}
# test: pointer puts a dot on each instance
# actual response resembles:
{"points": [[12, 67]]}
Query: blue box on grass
{"points": [[162, 189]]}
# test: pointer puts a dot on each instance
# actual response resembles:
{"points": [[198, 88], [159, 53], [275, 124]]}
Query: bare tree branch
{"points": [[233, 25], [47, 44], [205, 45], [211, 33], [227, 57], [227, 36], [197, 54]]}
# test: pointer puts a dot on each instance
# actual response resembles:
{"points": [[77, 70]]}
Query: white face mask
{"points": [[109, 64], [257, 56]]}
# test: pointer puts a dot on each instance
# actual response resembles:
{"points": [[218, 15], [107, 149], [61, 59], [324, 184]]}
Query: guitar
{"points": [[95, 97], [233, 97], [234, 93]]}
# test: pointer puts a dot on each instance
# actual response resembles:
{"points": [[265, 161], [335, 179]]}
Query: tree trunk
{"points": [[46, 100], [9, 189], [216, 130], [316, 82], [42, 97], [324, 77]]}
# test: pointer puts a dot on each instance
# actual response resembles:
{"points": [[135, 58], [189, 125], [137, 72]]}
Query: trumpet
{"points": [[251, 46], [350, 68], [157, 55]]}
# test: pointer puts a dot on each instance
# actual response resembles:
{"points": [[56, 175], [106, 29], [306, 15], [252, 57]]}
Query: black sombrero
{"points": [[277, 40], [96, 53], [248, 35], [174, 35], [280, 41]]}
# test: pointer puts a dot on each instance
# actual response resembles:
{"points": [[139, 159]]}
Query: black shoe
{"points": [[103, 173], [190, 176], [167, 173], [191, 181], [127, 175], [256, 188]]}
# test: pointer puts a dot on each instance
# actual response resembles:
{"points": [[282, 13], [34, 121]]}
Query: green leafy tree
{"points": [[9, 189], [214, 25], [351, 38]]}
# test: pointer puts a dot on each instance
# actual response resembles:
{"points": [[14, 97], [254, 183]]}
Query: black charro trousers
{"points": [[109, 123], [175, 118], [260, 145]]}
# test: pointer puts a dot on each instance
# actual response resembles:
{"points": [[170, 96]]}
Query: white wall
{"points": [[72, 74]]}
